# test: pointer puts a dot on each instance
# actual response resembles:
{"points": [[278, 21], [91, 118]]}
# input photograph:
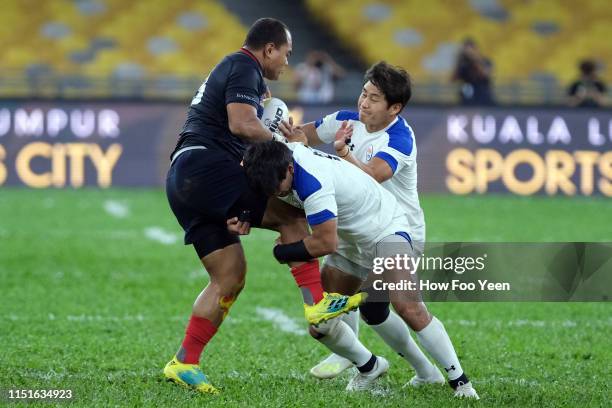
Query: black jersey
{"points": [[237, 78]]}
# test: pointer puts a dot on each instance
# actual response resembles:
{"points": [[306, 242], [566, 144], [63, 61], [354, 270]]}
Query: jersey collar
{"points": [[250, 55], [393, 122]]}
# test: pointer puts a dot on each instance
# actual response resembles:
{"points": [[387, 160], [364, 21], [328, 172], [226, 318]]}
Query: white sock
{"points": [[340, 339], [352, 319], [395, 333], [435, 340]]}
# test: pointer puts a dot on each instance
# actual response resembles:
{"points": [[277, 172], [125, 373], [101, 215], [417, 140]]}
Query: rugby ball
{"points": [[275, 110]]}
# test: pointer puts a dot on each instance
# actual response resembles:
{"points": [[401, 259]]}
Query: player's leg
{"points": [[199, 187], [226, 268], [394, 331], [291, 223], [409, 306], [338, 337], [222, 257], [344, 283], [433, 337]]}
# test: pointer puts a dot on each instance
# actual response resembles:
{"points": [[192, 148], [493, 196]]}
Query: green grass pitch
{"points": [[97, 287]]}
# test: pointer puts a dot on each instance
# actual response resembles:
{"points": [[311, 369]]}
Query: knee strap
{"points": [[374, 313]]}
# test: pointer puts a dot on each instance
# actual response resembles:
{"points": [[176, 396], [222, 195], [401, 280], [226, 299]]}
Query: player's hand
{"points": [[343, 136], [237, 227], [293, 133]]}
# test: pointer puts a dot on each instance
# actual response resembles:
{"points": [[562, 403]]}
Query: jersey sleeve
{"points": [[242, 85], [329, 125], [320, 207], [316, 191], [398, 152]]}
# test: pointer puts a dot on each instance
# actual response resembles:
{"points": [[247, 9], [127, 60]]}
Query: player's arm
{"points": [[243, 122], [322, 241], [323, 130], [321, 213], [377, 168], [242, 99], [311, 134]]}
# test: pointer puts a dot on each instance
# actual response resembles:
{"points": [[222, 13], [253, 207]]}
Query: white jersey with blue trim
{"points": [[394, 144], [331, 188]]}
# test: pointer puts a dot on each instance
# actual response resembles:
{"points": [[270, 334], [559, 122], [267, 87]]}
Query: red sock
{"points": [[199, 332], [308, 278]]}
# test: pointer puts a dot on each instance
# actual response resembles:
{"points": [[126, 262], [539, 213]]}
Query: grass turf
{"points": [[91, 304]]}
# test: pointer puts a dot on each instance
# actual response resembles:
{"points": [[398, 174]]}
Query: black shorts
{"points": [[205, 187]]}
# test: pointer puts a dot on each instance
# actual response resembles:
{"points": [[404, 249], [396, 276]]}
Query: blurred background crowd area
{"points": [[471, 52]]}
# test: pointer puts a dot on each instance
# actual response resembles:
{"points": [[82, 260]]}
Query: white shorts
{"points": [[400, 246]]}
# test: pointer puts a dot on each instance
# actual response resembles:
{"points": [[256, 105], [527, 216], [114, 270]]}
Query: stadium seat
{"points": [[522, 38], [183, 37]]}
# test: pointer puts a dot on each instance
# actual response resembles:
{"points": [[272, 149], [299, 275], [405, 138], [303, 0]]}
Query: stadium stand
{"points": [[153, 40], [535, 44], [160, 48]]}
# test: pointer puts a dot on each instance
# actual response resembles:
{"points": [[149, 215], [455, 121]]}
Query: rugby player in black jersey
{"points": [[210, 196]]}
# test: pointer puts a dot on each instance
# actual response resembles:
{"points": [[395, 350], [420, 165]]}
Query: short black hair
{"points": [[588, 67], [266, 165], [264, 31], [394, 82]]}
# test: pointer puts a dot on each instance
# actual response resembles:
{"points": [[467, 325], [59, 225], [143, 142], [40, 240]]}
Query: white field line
{"points": [[280, 320], [116, 208], [531, 323], [160, 235], [100, 318], [507, 380], [71, 233], [54, 375]]}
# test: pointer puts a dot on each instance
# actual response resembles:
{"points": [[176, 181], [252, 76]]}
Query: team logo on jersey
{"points": [[369, 152]]}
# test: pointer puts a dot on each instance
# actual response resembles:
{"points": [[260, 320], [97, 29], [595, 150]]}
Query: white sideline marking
{"points": [[507, 380], [569, 323], [530, 323], [160, 235], [280, 320], [54, 375], [99, 318], [197, 274], [116, 209]]}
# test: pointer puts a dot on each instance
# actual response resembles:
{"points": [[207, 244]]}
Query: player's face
{"points": [[277, 58], [285, 186], [374, 111]]}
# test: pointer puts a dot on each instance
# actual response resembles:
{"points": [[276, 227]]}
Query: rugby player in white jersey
{"points": [[353, 220], [380, 142]]}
